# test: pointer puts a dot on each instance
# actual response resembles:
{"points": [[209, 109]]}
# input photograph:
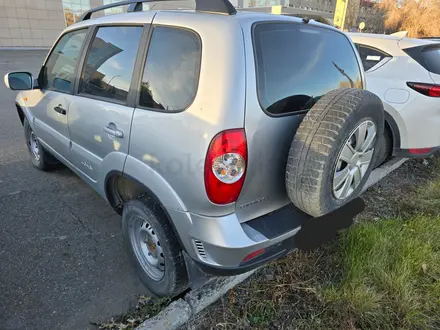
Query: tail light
{"points": [[425, 89], [225, 166]]}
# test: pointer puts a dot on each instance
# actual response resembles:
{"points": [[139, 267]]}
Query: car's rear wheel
{"points": [[38, 155], [155, 250], [334, 150], [386, 147]]}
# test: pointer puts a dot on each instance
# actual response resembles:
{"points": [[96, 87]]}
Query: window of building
{"points": [[370, 56], [58, 73], [114, 10], [318, 61], [73, 9], [172, 68], [110, 62]]}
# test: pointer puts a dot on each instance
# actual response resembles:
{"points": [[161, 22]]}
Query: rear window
{"points": [[297, 64], [426, 56]]}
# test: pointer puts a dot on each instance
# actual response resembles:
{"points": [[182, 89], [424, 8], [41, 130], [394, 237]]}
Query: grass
{"points": [[382, 273], [391, 275]]}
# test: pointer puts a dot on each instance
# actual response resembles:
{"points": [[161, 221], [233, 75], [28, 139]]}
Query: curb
{"points": [[180, 311], [382, 171]]}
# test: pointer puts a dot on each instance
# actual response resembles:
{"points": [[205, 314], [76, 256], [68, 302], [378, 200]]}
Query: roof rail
{"points": [[210, 6]]}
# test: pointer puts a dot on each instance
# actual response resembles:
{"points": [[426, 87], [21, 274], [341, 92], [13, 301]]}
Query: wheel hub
{"points": [[33, 145], [354, 159], [147, 248], [151, 245]]}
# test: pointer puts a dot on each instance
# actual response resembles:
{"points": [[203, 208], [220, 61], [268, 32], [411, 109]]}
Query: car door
{"points": [[49, 104], [100, 114]]}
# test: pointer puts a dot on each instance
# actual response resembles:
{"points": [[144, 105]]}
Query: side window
{"points": [[109, 65], [296, 64], [58, 73], [370, 56], [171, 73]]}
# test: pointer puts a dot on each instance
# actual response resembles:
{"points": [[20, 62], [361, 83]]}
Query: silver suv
{"points": [[215, 134]]}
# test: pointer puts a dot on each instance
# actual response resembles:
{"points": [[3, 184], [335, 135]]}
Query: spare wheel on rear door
{"points": [[334, 150]]}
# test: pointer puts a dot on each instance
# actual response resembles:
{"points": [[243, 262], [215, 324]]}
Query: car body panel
{"points": [[49, 125], [435, 77], [409, 109], [90, 144]]}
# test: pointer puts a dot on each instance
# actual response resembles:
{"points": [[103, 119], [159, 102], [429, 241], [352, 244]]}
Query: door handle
{"points": [[60, 110], [114, 132]]}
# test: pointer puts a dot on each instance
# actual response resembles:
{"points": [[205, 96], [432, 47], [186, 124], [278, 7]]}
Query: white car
{"points": [[405, 74]]}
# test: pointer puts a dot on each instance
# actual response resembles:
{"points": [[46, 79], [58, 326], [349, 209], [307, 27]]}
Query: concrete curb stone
{"points": [[172, 317], [180, 311]]}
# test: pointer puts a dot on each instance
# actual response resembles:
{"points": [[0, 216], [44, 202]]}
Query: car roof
{"points": [[373, 36], [145, 16], [392, 44]]}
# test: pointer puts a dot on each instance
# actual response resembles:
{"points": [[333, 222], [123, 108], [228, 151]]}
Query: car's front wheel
{"points": [[154, 248], [38, 155]]}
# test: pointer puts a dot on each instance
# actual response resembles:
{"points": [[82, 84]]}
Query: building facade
{"points": [[37, 23]]}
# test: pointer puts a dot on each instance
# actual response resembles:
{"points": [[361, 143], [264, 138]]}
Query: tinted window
{"points": [[432, 59], [297, 64], [109, 65], [172, 69], [58, 73], [370, 57], [427, 56]]}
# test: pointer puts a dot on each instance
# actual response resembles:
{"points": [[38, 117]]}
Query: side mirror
{"points": [[19, 81]]}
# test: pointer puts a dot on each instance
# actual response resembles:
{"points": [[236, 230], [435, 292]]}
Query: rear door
{"points": [[100, 115], [49, 104], [289, 66]]}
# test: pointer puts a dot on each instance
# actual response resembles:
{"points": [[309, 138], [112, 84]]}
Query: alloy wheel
{"points": [[354, 159]]}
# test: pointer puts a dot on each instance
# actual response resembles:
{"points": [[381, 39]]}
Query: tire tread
{"points": [[317, 133]]}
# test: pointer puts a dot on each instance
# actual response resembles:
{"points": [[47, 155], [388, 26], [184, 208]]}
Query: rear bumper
{"points": [[274, 252], [220, 245]]}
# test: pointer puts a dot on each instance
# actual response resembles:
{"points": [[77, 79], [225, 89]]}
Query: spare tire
{"points": [[334, 150]]}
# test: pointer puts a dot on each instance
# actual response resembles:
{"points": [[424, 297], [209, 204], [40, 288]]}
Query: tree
{"points": [[352, 14], [419, 17]]}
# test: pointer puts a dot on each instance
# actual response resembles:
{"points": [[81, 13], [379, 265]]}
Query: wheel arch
{"points": [[392, 126], [121, 187]]}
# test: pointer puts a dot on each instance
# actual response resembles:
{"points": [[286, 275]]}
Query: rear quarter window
{"points": [[426, 56], [296, 64]]}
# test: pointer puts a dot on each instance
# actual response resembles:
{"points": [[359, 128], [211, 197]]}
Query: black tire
{"points": [[386, 147], [40, 161], [175, 278], [318, 142]]}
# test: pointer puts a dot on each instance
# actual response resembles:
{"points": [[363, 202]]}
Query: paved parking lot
{"points": [[62, 262]]}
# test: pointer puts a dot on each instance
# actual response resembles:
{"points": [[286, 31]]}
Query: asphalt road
{"points": [[62, 261]]}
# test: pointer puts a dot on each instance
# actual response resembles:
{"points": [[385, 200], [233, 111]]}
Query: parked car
{"points": [[405, 74], [215, 134]]}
